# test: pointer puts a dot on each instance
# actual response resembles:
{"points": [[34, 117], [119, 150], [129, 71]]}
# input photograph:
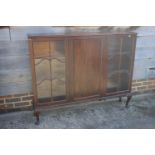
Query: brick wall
{"points": [[18, 101], [143, 85], [24, 101]]}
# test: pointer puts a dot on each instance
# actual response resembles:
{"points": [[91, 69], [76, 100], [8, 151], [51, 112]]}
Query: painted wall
{"points": [[145, 53], [15, 71]]}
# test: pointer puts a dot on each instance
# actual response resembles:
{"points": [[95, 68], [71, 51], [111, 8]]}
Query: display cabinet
{"points": [[74, 68]]}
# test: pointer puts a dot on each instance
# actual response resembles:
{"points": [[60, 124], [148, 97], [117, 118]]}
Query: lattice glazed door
{"points": [[49, 57]]}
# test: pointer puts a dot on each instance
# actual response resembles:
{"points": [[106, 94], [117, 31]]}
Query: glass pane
{"points": [[113, 62], [125, 62], [58, 89], [41, 49], [42, 68], [119, 58], [114, 49], [50, 71], [57, 49], [44, 89], [58, 76], [124, 81], [114, 43], [113, 85], [58, 71], [127, 44]]}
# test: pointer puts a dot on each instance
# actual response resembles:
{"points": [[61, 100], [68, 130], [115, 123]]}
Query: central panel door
{"points": [[87, 62]]}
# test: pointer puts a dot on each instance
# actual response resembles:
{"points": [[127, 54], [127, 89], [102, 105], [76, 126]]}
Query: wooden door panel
{"points": [[86, 67]]}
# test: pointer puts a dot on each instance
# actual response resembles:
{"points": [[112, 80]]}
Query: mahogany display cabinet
{"points": [[73, 68]]}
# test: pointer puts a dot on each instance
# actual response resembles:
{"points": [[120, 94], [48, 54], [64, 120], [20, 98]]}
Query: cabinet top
{"points": [[77, 34]]}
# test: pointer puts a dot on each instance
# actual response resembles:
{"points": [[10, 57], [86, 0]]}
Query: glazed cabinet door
{"points": [[50, 71], [120, 55], [86, 63]]}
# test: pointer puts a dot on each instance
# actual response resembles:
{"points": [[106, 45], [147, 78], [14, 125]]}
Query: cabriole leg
{"points": [[128, 100]]}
